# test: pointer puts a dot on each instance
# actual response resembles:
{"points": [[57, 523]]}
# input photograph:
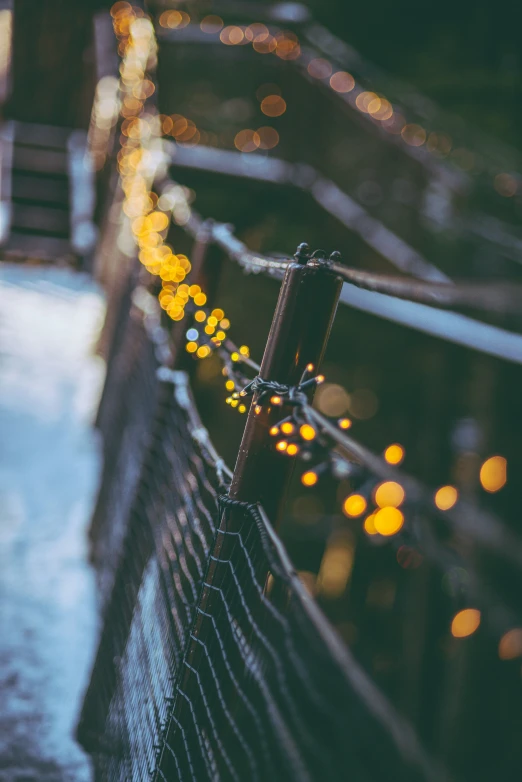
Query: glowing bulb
{"points": [[292, 449], [446, 497], [389, 493], [242, 408], [235, 356], [230, 385], [282, 445], [307, 432], [354, 505], [257, 409], [493, 473], [465, 622], [394, 454], [287, 427], [309, 478], [510, 645], [319, 379], [276, 400], [310, 367], [274, 430], [369, 525], [344, 423], [244, 350], [388, 521]]}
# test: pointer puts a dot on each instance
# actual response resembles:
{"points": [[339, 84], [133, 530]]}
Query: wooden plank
{"points": [[43, 161], [36, 135], [45, 219], [47, 190], [47, 248]]}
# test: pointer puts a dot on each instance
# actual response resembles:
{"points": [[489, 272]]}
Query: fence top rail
{"points": [[367, 294]]}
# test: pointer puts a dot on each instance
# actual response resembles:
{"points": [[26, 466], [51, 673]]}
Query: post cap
{"points": [[302, 254]]}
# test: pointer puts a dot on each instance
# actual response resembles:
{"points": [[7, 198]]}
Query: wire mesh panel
{"points": [[266, 690], [155, 591], [130, 403]]}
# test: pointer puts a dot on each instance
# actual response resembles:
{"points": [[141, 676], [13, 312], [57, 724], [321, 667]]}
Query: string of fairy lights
{"points": [[302, 432], [373, 106]]}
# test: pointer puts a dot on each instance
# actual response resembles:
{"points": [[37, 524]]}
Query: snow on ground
{"points": [[49, 462]]}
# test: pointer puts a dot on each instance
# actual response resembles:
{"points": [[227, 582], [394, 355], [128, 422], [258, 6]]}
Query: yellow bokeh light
{"points": [[388, 521], [493, 473], [217, 314], [342, 82], [203, 351], [465, 622], [446, 497], [211, 24], [394, 454], [247, 140], [319, 68], [510, 645], [369, 525], [414, 135], [192, 347], [389, 494], [200, 299], [292, 449], [287, 427], [230, 385], [200, 316], [307, 432], [345, 423], [309, 478], [354, 505], [282, 445], [273, 106]]}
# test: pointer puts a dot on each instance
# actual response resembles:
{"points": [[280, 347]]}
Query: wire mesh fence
{"points": [[156, 585], [214, 662], [127, 409], [266, 690]]}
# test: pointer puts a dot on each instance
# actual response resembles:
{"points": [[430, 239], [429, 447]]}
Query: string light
{"points": [[510, 645], [388, 521], [465, 623], [307, 432], [354, 505], [390, 494], [309, 478], [493, 474], [446, 497], [394, 454]]}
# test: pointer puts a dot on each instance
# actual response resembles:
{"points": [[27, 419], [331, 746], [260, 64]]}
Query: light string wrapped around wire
{"points": [[401, 505]]}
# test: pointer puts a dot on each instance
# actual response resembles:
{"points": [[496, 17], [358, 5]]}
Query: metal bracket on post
{"points": [[298, 337]]}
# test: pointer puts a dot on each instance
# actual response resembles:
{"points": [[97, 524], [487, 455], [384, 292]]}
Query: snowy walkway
{"points": [[49, 381]]}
